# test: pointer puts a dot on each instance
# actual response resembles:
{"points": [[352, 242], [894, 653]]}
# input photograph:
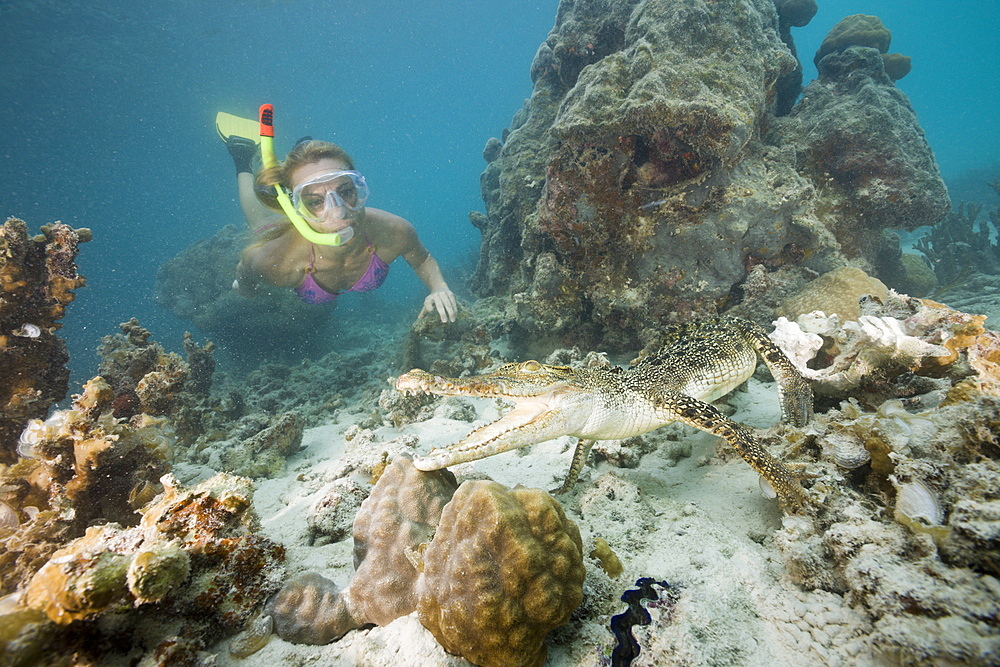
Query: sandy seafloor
{"points": [[683, 515]]}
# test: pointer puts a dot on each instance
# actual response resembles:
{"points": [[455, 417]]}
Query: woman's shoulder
{"points": [[386, 221], [389, 229]]}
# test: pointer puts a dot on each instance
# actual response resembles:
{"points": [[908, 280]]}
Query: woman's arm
{"points": [[426, 267]]}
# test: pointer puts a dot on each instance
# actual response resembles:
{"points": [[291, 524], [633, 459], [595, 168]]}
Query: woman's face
{"points": [[314, 197]]}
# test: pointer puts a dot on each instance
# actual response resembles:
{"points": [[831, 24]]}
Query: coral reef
{"points": [[80, 466], [196, 285], [489, 570], [927, 579], [963, 244], [147, 379], [652, 171], [37, 278], [194, 563]]}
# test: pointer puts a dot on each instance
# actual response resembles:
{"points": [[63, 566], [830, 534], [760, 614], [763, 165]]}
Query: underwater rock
{"points": [[651, 173], [196, 285], [265, 453], [520, 564], [796, 13], [857, 138], [37, 278]]}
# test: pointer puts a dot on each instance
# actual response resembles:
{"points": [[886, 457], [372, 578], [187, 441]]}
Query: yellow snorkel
{"points": [[269, 160]]}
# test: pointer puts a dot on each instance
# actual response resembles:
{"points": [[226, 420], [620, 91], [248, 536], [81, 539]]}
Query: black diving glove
{"points": [[243, 152]]}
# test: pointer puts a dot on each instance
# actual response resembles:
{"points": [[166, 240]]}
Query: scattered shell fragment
{"points": [[253, 638], [27, 331], [766, 489], [846, 450], [8, 517], [917, 508], [915, 503]]}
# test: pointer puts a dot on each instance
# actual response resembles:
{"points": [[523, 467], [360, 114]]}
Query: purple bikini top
{"points": [[310, 291]]}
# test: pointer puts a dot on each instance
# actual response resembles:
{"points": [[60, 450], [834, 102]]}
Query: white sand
{"points": [[701, 523]]}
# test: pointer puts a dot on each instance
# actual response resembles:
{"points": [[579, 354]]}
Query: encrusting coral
{"points": [[79, 466], [37, 278], [194, 562], [489, 570]]}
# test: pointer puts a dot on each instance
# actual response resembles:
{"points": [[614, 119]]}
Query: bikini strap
{"points": [[368, 244]]}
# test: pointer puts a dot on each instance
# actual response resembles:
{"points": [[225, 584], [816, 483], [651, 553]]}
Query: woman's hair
{"points": [[304, 152]]}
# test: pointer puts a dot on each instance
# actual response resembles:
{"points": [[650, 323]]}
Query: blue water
{"points": [[109, 115]]}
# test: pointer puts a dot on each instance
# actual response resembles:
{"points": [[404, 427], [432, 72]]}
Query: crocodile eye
{"points": [[531, 366]]}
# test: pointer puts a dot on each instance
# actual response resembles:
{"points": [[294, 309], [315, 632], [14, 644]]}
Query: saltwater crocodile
{"points": [[697, 363]]}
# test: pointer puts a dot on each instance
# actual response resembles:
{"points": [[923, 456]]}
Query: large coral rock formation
{"points": [[855, 133], [490, 570], [519, 561], [634, 188], [37, 278]]}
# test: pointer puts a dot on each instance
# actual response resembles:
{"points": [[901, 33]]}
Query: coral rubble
{"points": [[37, 278], [652, 170]]}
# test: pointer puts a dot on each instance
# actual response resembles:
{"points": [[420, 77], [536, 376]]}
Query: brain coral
{"points": [[855, 30], [836, 291], [505, 567], [401, 512]]}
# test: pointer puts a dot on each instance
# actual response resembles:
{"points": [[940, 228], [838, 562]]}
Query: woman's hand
{"points": [[444, 302]]}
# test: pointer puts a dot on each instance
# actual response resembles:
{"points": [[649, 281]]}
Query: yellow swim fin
{"points": [[229, 125]]}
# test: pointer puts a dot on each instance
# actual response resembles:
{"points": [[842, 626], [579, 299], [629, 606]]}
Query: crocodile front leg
{"points": [[794, 392], [705, 417], [580, 454]]}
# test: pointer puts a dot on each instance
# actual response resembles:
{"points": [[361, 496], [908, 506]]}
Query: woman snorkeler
{"points": [[329, 196]]}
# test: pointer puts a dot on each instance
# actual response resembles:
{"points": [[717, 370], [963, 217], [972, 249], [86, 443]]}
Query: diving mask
{"points": [[320, 196]]}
